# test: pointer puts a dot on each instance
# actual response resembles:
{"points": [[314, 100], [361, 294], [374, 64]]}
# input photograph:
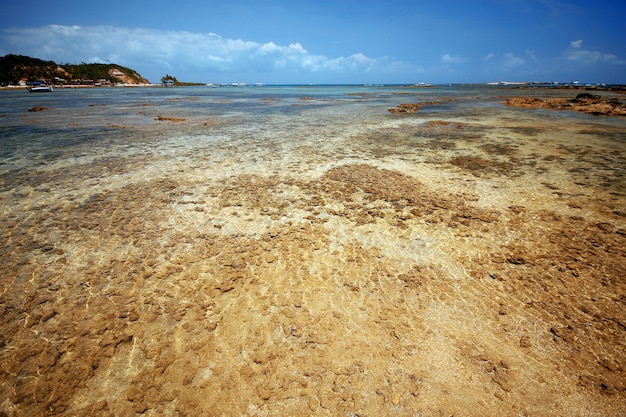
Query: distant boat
{"points": [[41, 89]]}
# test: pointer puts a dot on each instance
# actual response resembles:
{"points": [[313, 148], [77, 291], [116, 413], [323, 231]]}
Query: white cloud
{"points": [[575, 52], [513, 61], [489, 56], [161, 51], [449, 59], [576, 44]]}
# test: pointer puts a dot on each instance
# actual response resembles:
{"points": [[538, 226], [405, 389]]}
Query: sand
{"points": [[473, 272]]}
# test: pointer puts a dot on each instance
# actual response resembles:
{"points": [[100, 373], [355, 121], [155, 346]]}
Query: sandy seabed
{"points": [[437, 268]]}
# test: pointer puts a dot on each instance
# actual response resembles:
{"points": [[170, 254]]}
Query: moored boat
{"points": [[41, 89]]}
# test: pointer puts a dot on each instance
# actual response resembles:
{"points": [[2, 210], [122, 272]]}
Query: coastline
{"points": [[65, 87]]}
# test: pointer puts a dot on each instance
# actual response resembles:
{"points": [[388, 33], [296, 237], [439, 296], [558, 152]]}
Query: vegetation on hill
{"points": [[104, 71], [14, 68]]}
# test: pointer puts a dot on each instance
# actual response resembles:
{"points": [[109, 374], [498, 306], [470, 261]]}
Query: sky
{"points": [[329, 42]]}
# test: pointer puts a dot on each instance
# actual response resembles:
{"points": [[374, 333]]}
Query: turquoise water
{"points": [[105, 119]]}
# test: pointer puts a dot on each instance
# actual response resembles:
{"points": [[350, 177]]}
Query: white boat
{"points": [[41, 89]]}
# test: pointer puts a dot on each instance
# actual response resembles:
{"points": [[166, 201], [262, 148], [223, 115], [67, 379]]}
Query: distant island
{"points": [[19, 70]]}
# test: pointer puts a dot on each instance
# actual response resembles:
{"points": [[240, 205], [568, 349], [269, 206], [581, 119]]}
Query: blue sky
{"points": [[319, 41]]}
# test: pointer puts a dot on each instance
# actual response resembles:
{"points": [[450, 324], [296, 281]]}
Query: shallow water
{"points": [[268, 250]]}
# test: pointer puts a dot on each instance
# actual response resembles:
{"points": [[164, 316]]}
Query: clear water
{"points": [[92, 124], [215, 244]]}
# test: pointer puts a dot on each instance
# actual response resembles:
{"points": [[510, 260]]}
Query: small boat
{"points": [[41, 89]]}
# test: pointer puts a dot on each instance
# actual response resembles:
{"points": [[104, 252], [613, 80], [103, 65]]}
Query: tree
{"points": [[169, 78]]}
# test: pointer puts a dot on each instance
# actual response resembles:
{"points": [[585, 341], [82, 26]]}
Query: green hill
{"points": [[13, 68]]}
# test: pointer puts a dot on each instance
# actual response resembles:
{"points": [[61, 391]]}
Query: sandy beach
{"points": [[328, 258]]}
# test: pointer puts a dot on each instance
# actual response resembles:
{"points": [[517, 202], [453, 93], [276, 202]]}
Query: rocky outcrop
{"points": [[411, 108], [584, 102]]}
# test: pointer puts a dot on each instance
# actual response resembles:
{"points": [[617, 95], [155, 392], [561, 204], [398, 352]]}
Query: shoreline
{"points": [[67, 87], [615, 88]]}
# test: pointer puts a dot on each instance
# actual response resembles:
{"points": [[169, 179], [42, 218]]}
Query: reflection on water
{"points": [[268, 250]]}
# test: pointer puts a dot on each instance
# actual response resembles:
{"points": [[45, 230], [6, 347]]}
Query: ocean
{"points": [[301, 250]]}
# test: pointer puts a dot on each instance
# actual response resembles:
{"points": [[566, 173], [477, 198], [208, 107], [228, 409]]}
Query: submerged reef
{"points": [[412, 108]]}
